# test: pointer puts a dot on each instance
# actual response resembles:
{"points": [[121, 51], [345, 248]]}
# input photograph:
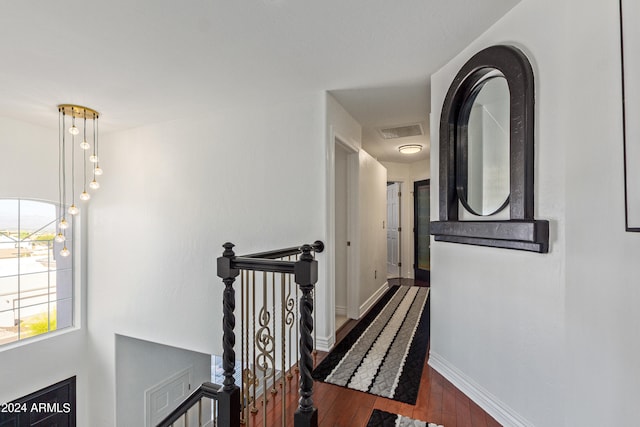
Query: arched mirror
{"points": [[486, 154], [483, 144]]}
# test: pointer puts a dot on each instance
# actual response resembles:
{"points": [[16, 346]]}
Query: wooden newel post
{"points": [[306, 276], [229, 395]]}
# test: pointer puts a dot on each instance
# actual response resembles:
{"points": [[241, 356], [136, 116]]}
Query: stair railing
{"points": [[206, 398], [261, 332], [261, 338]]}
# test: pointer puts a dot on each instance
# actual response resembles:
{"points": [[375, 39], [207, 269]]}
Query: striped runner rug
{"points": [[387, 419], [384, 353]]}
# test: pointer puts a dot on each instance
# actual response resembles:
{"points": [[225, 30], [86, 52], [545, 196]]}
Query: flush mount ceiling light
{"points": [[72, 112], [410, 148]]}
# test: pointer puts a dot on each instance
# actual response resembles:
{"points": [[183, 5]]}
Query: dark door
{"points": [[421, 218]]}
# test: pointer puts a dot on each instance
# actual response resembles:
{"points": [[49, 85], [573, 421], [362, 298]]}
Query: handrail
{"points": [[268, 261], [206, 389], [317, 246], [261, 264]]}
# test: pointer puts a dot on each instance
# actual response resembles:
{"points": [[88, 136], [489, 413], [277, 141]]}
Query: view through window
{"points": [[36, 282]]}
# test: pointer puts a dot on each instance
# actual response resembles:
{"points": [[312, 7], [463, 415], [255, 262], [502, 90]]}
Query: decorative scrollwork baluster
{"points": [[289, 319], [266, 345]]}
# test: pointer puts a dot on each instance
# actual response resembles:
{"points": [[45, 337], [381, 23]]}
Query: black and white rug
{"points": [[386, 419], [384, 354]]}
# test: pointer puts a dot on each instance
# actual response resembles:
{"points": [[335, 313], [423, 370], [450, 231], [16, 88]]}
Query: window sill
{"points": [[38, 338]]}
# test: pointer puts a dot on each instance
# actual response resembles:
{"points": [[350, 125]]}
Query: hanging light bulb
{"points": [[65, 251], [94, 185], [85, 145], [97, 171], [63, 224], [93, 158], [73, 130], [60, 238], [84, 196], [73, 210]]}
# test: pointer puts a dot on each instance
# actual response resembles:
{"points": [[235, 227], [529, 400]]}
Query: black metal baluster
{"points": [[229, 395], [306, 275]]}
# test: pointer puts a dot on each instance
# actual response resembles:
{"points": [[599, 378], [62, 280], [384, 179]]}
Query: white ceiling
{"points": [[390, 106], [140, 62]]}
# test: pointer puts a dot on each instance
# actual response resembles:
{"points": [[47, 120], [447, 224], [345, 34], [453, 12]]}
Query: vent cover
{"points": [[401, 131]]}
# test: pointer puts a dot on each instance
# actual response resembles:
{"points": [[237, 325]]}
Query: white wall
{"points": [[551, 339], [141, 365], [29, 157], [407, 174], [498, 322], [602, 288], [175, 193], [342, 124], [373, 234]]}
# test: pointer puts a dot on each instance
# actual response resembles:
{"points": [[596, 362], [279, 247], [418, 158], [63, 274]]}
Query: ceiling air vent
{"points": [[401, 131]]}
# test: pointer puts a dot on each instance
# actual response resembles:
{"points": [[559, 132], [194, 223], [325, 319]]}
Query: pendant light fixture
{"points": [[70, 112]]}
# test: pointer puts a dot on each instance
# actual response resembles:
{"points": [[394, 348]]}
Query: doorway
{"points": [[393, 229], [421, 229], [341, 237]]}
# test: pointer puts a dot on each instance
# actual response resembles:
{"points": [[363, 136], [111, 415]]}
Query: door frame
{"points": [[325, 339], [353, 236], [418, 274]]}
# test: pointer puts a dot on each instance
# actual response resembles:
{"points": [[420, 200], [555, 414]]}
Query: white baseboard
{"points": [[325, 343], [487, 401], [372, 299]]}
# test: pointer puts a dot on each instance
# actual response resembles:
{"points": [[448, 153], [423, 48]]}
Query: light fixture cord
{"points": [[60, 130], [73, 162], [84, 155], [64, 170], [97, 148]]}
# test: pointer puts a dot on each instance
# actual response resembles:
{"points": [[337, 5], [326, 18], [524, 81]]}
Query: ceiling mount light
{"points": [[84, 114], [410, 148]]}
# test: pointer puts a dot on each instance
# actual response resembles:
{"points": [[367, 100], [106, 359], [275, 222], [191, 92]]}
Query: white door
{"points": [[166, 396], [393, 230]]}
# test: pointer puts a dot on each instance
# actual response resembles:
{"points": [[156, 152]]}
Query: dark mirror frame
{"points": [[521, 231]]}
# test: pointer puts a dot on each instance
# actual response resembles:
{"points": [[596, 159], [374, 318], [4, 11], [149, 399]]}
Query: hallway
{"points": [[439, 401]]}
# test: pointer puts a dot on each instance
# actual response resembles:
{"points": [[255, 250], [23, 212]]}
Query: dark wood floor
{"points": [[438, 401]]}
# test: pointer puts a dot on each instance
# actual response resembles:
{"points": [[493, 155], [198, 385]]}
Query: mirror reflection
{"points": [[488, 148]]}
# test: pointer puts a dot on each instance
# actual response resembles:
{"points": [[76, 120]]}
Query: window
{"points": [[36, 282]]}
